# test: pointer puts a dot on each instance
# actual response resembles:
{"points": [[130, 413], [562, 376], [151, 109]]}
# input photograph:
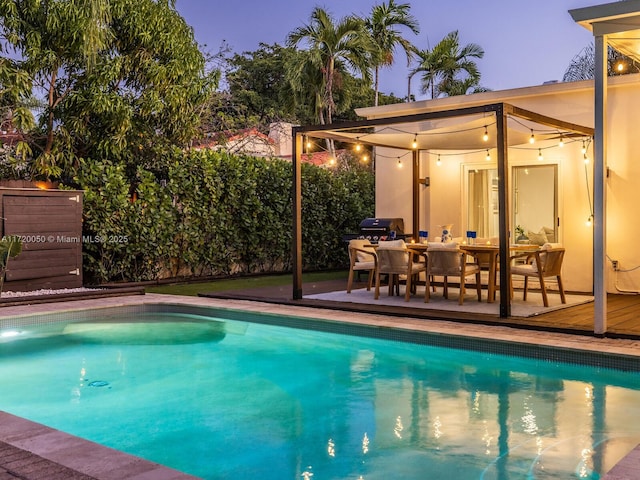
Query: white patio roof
{"points": [[619, 21]]}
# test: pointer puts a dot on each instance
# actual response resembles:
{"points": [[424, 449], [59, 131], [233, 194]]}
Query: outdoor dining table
{"points": [[487, 254]]}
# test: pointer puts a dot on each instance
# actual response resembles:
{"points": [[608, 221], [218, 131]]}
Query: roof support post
{"points": [[503, 208], [416, 193], [599, 188], [296, 247]]}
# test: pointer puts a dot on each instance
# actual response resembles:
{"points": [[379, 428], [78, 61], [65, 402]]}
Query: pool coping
{"points": [[142, 469]]}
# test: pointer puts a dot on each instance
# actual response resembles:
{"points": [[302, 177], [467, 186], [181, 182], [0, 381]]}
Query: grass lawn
{"points": [[192, 289]]}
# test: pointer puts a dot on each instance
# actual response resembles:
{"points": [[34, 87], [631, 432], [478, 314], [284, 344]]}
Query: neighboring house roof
{"points": [[249, 141]]}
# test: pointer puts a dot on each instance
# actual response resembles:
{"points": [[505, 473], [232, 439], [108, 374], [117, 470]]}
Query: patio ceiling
{"points": [[619, 21]]}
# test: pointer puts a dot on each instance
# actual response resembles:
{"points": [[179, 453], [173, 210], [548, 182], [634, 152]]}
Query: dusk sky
{"points": [[526, 42]]}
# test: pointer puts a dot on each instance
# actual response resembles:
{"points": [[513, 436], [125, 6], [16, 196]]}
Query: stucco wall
{"points": [[442, 201]]}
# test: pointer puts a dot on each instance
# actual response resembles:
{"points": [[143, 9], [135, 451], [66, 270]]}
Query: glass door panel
{"points": [[535, 203]]}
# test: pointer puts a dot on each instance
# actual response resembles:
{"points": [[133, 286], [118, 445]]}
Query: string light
{"points": [[414, 145], [308, 144], [485, 137], [532, 138], [561, 144], [399, 163], [589, 221], [365, 158], [584, 148], [488, 157], [586, 159], [438, 162], [540, 157]]}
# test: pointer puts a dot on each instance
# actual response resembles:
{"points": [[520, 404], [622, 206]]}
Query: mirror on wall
{"points": [[535, 203]]}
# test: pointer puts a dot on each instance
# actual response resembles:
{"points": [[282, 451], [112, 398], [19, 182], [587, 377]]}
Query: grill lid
{"points": [[382, 225]]}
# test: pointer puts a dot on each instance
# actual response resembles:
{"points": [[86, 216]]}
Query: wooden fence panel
{"points": [[49, 222]]}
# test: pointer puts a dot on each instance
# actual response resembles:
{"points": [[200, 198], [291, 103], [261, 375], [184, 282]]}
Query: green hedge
{"points": [[217, 214]]}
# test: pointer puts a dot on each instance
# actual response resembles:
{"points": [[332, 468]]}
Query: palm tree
{"points": [[446, 64], [331, 43], [386, 38], [461, 87], [306, 82]]}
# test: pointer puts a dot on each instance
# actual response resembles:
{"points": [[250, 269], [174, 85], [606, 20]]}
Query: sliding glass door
{"points": [[534, 193], [535, 203]]}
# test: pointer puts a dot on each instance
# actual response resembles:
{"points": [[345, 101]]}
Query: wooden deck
{"points": [[623, 310]]}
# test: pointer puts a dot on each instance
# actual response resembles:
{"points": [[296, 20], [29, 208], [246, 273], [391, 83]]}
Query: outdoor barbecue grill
{"points": [[375, 229]]}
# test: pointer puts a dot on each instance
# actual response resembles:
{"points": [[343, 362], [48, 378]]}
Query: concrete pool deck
{"points": [[35, 448]]}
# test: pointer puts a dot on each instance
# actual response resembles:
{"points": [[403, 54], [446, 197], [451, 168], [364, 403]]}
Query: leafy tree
{"points": [[120, 79], [582, 66], [448, 67], [258, 80], [381, 26], [330, 44], [258, 92]]}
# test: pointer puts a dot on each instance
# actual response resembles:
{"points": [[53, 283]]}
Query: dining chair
{"points": [[541, 264], [448, 260], [395, 260], [362, 257]]}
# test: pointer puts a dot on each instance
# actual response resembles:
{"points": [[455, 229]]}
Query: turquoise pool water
{"points": [[225, 399]]}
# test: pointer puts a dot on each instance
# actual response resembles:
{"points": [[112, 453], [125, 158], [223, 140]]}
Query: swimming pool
{"points": [[223, 394]]}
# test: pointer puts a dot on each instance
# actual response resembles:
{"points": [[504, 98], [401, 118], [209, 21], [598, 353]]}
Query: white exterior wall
{"points": [[442, 201]]}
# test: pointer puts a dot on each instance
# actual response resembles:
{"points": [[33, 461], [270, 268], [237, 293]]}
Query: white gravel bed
{"points": [[47, 291]]}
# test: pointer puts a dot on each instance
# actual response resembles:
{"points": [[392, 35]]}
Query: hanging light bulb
{"points": [[414, 145], [358, 147], [589, 221], [308, 143], [584, 147], [540, 157], [485, 137], [488, 157], [532, 138], [438, 162], [399, 163], [586, 159], [365, 158], [561, 144]]}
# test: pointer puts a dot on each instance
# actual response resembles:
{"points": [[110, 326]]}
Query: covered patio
{"points": [[489, 130]]}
